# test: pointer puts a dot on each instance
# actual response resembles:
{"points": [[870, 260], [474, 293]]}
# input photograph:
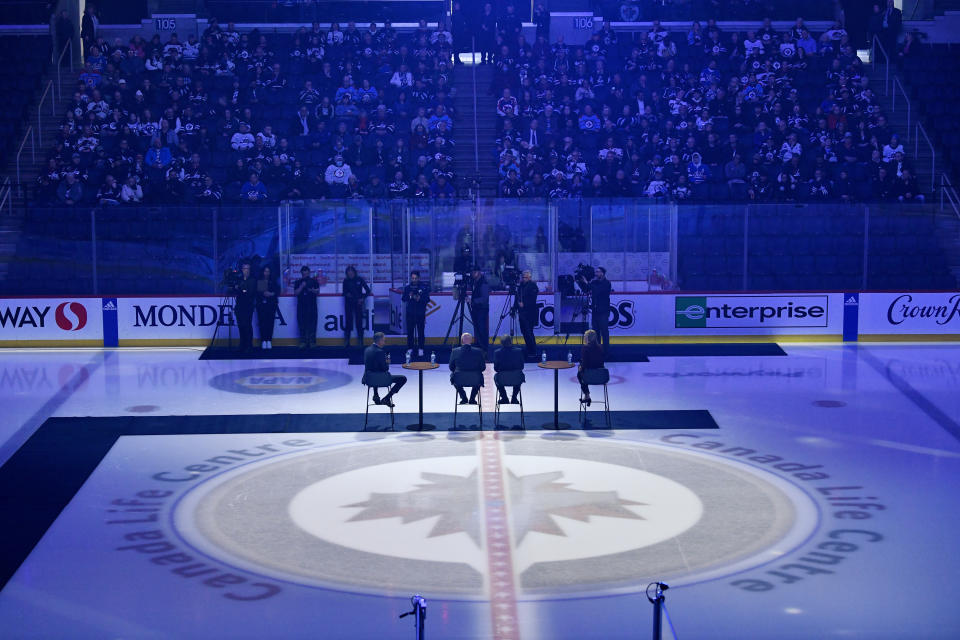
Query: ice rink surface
{"points": [[825, 505]]}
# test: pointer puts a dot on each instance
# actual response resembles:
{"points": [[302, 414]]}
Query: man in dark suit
{"points": [[416, 295], [467, 358], [375, 361], [245, 293], [890, 25], [599, 289], [480, 308], [527, 307], [507, 358]]}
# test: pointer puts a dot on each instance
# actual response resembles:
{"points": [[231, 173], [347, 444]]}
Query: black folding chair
{"points": [[591, 378], [374, 380], [466, 379], [509, 379]]}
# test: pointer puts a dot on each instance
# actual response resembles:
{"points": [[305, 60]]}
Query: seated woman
{"points": [[591, 357]]}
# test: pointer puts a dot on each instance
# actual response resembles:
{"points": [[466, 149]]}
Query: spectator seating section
{"points": [[205, 102], [298, 11], [686, 10], [796, 108]]}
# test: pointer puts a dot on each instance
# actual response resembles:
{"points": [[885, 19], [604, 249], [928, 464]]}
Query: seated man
{"points": [[375, 362], [507, 358], [463, 359]]}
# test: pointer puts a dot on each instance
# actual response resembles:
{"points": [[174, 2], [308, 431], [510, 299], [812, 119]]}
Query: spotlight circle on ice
{"points": [[576, 517]]}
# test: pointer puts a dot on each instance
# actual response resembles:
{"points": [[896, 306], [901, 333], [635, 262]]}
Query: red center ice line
{"points": [[500, 574]]}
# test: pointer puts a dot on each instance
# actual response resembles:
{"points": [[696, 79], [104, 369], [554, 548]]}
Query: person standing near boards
{"points": [[527, 307], [245, 295], [417, 296], [267, 292], [355, 291], [306, 289]]}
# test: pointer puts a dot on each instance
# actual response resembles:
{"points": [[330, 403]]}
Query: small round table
{"points": [[556, 365], [420, 367]]}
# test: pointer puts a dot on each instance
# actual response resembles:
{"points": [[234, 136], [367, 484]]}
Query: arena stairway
{"points": [[49, 122], [465, 162], [947, 224], [897, 119]]}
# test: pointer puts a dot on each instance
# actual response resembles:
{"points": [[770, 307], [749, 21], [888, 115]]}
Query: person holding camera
{"points": [[267, 292], [480, 309], [355, 291], [527, 293], [306, 288], [599, 289], [417, 295], [244, 291]]}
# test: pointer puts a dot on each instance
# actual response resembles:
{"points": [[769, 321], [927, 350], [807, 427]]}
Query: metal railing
{"points": [[886, 63], [47, 93], [66, 47], [933, 154], [893, 107], [6, 196], [33, 152], [476, 131], [949, 195]]}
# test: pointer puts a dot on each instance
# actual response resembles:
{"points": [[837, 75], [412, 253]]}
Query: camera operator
{"points": [[355, 292], [306, 289], [244, 291], [599, 289], [527, 294], [480, 309], [417, 295]]}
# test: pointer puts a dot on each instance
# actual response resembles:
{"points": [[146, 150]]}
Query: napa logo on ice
{"points": [[280, 380], [745, 312]]}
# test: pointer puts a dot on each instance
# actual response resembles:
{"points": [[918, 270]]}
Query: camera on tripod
{"points": [[462, 281], [582, 275], [510, 277], [233, 276]]}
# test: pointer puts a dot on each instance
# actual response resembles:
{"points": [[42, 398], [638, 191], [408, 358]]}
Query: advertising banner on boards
{"points": [[28, 321], [893, 314], [149, 320], [146, 321]]}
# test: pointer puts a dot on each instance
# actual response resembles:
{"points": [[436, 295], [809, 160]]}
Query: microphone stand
{"points": [[659, 609], [419, 612]]}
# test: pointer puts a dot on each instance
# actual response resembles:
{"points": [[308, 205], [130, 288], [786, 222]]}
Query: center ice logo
{"points": [[453, 517]]}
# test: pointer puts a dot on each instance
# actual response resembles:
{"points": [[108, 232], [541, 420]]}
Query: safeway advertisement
{"points": [[50, 319]]}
